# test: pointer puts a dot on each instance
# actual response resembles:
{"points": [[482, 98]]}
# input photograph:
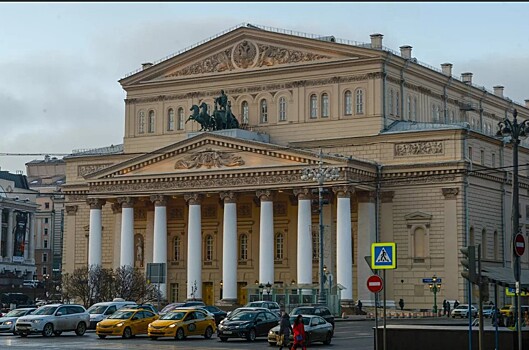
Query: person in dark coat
{"points": [[284, 331]]}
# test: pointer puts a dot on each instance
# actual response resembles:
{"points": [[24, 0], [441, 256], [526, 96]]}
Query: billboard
{"points": [[20, 236]]}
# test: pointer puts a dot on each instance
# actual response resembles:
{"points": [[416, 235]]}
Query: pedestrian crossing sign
{"points": [[383, 256]]}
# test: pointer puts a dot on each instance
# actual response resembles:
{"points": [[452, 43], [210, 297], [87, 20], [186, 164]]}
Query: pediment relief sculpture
{"points": [[209, 158], [247, 54]]}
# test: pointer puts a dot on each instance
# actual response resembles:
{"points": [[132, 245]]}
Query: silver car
{"points": [[316, 330], [54, 319], [7, 322]]}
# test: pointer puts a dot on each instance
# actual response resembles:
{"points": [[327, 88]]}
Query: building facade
{"points": [[17, 235], [226, 210]]}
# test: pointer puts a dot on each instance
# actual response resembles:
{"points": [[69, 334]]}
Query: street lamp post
{"points": [[435, 288], [517, 131], [268, 290], [320, 174], [261, 287]]}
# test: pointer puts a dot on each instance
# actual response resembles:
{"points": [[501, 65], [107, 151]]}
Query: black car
{"points": [[218, 313], [247, 324], [318, 310]]}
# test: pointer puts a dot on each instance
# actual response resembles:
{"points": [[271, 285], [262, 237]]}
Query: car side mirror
{"points": [[135, 318], [259, 320], [58, 314]]}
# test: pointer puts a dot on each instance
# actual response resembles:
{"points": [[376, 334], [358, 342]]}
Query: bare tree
{"points": [[131, 284]]}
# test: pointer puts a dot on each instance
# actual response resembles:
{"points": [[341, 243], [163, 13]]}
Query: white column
{"points": [[304, 243], [194, 248], [1, 216], [127, 232], [159, 254], [10, 234], [116, 209], [95, 232], [31, 245], [229, 248], [266, 238], [366, 236], [344, 247]]}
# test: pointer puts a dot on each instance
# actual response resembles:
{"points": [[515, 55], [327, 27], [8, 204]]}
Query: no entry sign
{"points": [[374, 284], [519, 244]]}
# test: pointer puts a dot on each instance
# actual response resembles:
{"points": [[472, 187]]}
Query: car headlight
{"points": [[271, 332], [8, 323], [97, 325], [120, 324], [36, 321], [172, 325]]}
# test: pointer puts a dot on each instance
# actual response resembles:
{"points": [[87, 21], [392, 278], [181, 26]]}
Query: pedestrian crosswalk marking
{"points": [[383, 257]]}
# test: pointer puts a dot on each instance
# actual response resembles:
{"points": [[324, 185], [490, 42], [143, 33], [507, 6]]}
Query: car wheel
{"points": [[272, 343], [23, 335], [57, 333], [307, 339], [81, 329], [328, 339], [224, 339], [251, 335], [208, 333], [47, 331], [180, 334], [127, 333], [102, 336], [154, 338]]}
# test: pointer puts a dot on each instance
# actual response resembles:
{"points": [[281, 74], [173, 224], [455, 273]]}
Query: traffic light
{"points": [[469, 264]]}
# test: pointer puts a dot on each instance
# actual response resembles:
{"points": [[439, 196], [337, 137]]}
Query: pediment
{"points": [[247, 50], [418, 216], [209, 154]]}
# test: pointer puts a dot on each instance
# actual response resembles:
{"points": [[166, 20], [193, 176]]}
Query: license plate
{"points": [[227, 332]]}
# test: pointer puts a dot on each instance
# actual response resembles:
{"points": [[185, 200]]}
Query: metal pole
{"points": [[469, 284], [480, 334], [515, 229], [435, 299], [376, 321], [321, 297], [384, 307], [496, 319]]}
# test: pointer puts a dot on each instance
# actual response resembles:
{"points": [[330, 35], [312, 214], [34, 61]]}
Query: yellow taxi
{"points": [[182, 322], [126, 323]]}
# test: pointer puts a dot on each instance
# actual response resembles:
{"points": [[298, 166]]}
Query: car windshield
{"points": [[169, 308], [177, 315], [244, 316], [16, 313], [96, 309], [306, 320], [45, 310], [122, 315], [254, 304], [305, 311]]}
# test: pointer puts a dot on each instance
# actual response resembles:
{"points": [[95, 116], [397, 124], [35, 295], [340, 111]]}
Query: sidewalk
{"points": [[392, 314]]}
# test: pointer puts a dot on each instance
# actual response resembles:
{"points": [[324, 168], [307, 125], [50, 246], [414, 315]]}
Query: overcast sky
{"points": [[60, 62]]}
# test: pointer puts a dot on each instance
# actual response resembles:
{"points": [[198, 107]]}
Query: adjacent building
{"points": [[226, 210]]}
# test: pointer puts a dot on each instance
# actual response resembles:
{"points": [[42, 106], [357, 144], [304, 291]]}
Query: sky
{"points": [[60, 62]]}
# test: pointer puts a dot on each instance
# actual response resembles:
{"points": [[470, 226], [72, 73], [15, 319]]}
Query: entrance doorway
{"points": [[207, 293], [241, 293]]}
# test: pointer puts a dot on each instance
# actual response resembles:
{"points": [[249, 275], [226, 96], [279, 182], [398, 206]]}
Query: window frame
{"points": [[282, 113], [170, 119], [348, 102], [325, 105], [151, 122], [359, 101], [313, 106], [263, 111]]}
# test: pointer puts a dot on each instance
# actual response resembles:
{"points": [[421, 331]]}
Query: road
{"points": [[356, 335]]}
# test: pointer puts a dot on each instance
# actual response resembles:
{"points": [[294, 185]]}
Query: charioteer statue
{"points": [[221, 119]]}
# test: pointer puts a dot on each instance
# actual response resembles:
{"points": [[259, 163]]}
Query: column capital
{"points": [[450, 192], [366, 196], [126, 202], [343, 191], [387, 196], [302, 193], [71, 209], [228, 197], [116, 208], [95, 203], [159, 200], [193, 198], [264, 195]]}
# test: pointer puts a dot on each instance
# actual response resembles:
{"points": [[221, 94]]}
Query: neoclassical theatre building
{"points": [[228, 209]]}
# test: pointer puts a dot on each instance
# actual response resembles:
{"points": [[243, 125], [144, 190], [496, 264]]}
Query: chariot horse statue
{"points": [[222, 117], [207, 123]]}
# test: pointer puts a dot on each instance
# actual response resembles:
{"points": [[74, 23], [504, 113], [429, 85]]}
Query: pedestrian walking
{"points": [[299, 334], [284, 331], [447, 309], [456, 304], [401, 304], [359, 305]]}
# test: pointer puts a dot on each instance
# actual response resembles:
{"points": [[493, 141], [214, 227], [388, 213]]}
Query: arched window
{"points": [[141, 122], [313, 107], [282, 109], [264, 111], [245, 112], [279, 246], [180, 118], [419, 236], [348, 103], [176, 249], [484, 246], [315, 245], [390, 107], [170, 120], [243, 247], [208, 251], [452, 117], [496, 246], [397, 103], [408, 105], [414, 115], [151, 122], [325, 106], [359, 101]]}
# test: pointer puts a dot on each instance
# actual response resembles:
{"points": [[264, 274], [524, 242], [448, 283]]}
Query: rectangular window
{"points": [[469, 153], [45, 232], [45, 220], [45, 246], [44, 270], [493, 160], [44, 257], [173, 294], [47, 205], [482, 157]]}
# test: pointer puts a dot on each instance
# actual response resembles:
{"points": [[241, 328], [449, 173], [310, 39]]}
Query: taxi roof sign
{"points": [[383, 256]]}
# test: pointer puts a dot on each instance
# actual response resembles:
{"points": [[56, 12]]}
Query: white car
{"points": [[54, 319], [7, 323], [462, 311]]}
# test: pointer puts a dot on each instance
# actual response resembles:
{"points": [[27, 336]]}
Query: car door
{"points": [[147, 317], [201, 322], [61, 319], [271, 322], [135, 322], [190, 323]]}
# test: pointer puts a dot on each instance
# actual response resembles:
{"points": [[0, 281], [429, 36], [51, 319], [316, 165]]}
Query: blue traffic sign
{"points": [[430, 280], [383, 256]]}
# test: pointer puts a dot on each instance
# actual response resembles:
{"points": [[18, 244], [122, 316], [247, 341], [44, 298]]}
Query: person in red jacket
{"points": [[299, 333]]}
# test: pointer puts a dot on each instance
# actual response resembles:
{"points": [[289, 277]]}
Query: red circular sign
{"points": [[374, 283], [519, 244]]}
